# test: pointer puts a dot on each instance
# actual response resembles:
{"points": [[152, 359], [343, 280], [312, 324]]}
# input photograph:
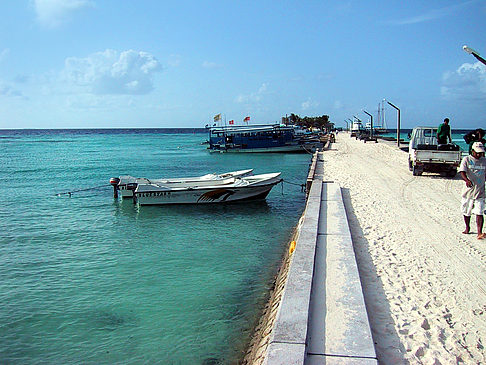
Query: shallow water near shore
{"points": [[87, 279]]}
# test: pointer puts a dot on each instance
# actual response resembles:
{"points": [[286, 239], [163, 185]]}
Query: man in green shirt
{"points": [[444, 132]]}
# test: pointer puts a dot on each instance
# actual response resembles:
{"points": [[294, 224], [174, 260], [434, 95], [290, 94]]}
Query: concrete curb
{"points": [[322, 316]]}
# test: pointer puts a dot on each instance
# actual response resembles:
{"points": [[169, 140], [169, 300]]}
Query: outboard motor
{"points": [[114, 181]]}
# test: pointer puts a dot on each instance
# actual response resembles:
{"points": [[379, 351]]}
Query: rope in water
{"points": [[69, 193], [292, 183], [302, 186]]}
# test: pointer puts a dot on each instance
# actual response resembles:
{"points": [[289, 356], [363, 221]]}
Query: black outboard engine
{"points": [[114, 181]]}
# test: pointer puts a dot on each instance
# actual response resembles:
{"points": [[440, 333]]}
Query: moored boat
{"points": [[259, 138], [376, 129], [233, 189], [127, 184]]}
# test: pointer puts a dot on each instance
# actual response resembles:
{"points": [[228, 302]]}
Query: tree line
{"points": [[321, 122]]}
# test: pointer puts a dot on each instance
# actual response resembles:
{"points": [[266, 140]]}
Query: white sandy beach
{"points": [[424, 281]]}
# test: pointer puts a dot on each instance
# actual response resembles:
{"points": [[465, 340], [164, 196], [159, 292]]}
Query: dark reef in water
{"points": [[212, 361], [107, 320]]}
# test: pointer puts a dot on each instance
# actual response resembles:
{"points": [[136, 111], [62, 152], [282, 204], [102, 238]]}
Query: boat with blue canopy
{"points": [[260, 138]]}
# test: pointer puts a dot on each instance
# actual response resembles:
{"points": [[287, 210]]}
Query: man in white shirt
{"points": [[473, 172]]}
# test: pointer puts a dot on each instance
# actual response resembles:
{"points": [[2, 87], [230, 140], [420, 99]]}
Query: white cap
{"points": [[478, 147]]}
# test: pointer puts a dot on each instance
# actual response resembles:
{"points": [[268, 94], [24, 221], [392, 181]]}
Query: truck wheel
{"points": [[452, 172], [409, 164], [416, 171]]}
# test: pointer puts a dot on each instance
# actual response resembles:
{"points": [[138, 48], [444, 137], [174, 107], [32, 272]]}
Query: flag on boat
{"points": [[231, 122], [217, 117], [247, 119]]}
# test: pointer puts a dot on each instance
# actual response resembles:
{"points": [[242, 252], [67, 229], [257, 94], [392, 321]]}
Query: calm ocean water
{"points": [[457, 136], [87, 279]]}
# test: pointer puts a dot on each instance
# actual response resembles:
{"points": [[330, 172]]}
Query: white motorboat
{"points": [[127, 184], [230, 190]]}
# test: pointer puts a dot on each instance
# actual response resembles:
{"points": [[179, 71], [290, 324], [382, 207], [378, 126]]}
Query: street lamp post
{"points": [[350, 123], [398, 123], [474, 53], [345, 121], [371, 129]]}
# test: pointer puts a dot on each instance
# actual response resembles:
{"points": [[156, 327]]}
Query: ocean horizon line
{"points": [[75, 129], [81, 131]]}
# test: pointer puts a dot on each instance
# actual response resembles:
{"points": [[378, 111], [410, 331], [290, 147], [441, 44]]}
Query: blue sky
{"points": [[129, 64]]}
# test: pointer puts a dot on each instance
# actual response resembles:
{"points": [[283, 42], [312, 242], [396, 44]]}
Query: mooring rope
{"points": [[292, 183], [307, 151], [302, 186], [69, 193]]}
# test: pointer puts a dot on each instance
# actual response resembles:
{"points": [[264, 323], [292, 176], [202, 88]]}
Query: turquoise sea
{"points": [[88, 279], [457, 136]]}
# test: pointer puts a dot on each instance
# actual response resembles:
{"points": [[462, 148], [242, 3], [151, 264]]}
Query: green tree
{"points": [[320, 122]]}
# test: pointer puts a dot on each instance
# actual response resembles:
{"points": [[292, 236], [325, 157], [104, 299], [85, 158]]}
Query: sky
{"points": [[163, 64]]}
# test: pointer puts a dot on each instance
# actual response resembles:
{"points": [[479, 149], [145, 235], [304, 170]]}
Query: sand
{"points": [[424, 281]]}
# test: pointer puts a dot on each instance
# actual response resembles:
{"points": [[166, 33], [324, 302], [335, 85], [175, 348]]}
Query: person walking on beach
{"points": [[444, 132], [473, 172]]}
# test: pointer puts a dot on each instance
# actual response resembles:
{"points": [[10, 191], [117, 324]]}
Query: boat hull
{"points": [[124, 192], [204, 196], [276, 149], [245, 188], [128, 184]]}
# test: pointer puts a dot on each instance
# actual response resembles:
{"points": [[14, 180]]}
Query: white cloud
{"points": [[21, 79], [174, 60], [309, 104], [253, 97], [4, 53], [7, 90], [338, 104], [211, 65], [113, 72], [468, 82], [53, 13], [262, 89], [431, 15]]}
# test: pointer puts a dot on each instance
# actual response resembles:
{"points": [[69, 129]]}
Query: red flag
{"points": [[231, 122], [247, 119]]}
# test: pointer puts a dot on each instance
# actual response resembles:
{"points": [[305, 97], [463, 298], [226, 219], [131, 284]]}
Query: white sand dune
{"points": [[424, 281]]}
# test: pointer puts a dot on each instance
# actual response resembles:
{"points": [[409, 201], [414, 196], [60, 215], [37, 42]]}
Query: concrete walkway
{"points": [[322, 317]]}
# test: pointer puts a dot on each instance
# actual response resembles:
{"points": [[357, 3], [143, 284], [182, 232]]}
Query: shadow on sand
{"points": [[392, 350]]}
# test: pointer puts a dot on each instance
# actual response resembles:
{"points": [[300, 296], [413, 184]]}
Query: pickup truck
{"points": [[424, 154]]}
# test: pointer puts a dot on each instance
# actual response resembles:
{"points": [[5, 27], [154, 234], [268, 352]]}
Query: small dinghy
{"points": [[227, 190], [127, 184]]}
